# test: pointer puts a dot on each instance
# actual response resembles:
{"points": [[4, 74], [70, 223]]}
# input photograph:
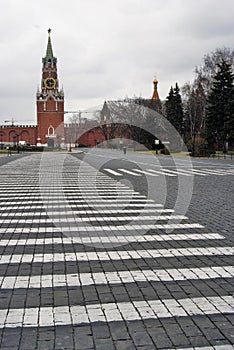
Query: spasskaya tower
{"points": [[50, 103]]}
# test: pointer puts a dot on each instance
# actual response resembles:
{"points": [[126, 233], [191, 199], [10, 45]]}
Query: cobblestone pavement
{"points": [[88, 262]]}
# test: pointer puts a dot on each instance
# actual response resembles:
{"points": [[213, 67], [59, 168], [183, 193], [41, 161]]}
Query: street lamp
{"points": [[16, 137]]}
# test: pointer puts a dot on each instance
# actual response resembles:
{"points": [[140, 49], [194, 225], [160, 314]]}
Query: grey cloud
{"points": [[106, 48]]}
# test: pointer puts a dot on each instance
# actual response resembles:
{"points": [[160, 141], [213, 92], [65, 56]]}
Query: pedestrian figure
{"points": [[8, 151], [124, 149]]}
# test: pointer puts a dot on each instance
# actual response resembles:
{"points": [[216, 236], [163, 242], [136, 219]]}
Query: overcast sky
{"points": [[106, 49]]}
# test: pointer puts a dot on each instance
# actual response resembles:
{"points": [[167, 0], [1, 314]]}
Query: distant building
{"points": [[50, 103], [50, 129]]}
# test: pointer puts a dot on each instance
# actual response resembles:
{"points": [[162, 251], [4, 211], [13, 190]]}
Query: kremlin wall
{"points": [[50, 130]]}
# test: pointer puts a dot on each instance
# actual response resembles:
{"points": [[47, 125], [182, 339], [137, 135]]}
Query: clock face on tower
{"points": [[50, 83]]}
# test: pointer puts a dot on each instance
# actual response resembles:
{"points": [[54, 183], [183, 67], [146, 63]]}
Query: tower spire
{"points": [[49, 50], [155, 96]]}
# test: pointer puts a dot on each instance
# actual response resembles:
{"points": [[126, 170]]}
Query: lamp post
{"points": [[16, 136]]}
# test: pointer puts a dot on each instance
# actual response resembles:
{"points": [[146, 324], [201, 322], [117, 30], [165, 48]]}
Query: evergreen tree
{"points": [[174, 108], [179, 114], [220, 113]]}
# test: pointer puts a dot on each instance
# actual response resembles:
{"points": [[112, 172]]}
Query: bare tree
{"points": [[194, 100], [79, 125], [195, 94], [140, 123], [128, 117]]}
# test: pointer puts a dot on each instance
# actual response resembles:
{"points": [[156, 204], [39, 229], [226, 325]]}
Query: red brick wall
{"points": [[26, 133], [50, 117]]}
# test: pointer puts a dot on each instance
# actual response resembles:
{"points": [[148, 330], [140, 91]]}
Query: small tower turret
{"points": [[155, 96]]}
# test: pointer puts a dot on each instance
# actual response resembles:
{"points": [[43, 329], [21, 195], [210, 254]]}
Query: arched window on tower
{"points": [[50, 130]]}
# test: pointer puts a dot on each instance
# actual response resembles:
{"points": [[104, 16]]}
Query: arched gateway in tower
{"points": [[50, 103]]}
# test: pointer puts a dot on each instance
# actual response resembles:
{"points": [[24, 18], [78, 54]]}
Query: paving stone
{"points": [[164, 332], [83, 341], [161, 340], [45, 345], [141, 338], [124, 345], [104, 344], [100, 331]]}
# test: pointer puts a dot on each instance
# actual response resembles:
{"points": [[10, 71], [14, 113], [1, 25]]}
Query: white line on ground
{"points": [[129, 172], [128, 311], [113, 172], [67, 210], [109, 239], [144, 172], [116, 255], [161, 172], [63, 218], [120, 277], [75, 206]]}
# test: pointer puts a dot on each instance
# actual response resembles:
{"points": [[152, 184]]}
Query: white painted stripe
{"points": [[76, 196], [129, 172], [219, 172], [72, 190], [91, 228], [176, 172], [113, 172], [66, 211], [58, 198], [120, 277], [111, 239], [194, 171], [127, 311], [75, 206], [161, 172], [144, 172], [116, 255], [63, 219], [215, 347], [207, 172], [107, 197], [88, 187]]}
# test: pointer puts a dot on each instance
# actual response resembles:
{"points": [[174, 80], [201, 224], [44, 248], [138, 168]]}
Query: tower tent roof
{"points": [[155, 96], [49, 50]]}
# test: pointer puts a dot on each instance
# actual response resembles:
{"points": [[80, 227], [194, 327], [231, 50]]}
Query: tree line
{"points": [[202, 111]]}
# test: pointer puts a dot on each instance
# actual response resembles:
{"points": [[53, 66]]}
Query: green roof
{"points": [[49, 50]]}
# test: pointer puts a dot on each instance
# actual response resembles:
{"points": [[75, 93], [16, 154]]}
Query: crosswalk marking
{"points": [[87, 279], [84, 230], [4, 211], [219, 172], [215, 347], [118, 255], [129, 172], [177, 172], [194, 171], [169, 172], [144, 172], [109, 312], [56, 204], [161, 172], [63, 218], [32, 255], [207, 172], [113, 172], [105, 239]]}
